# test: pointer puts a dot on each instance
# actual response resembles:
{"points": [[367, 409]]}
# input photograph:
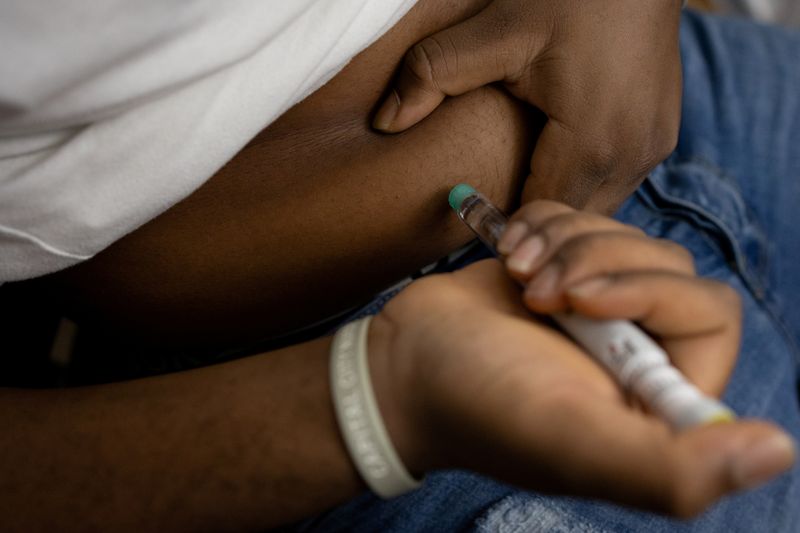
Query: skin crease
{"points": [[316, 214]]}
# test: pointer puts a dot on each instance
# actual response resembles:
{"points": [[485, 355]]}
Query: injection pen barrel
{"points": [[484, 219], [633, 358]]}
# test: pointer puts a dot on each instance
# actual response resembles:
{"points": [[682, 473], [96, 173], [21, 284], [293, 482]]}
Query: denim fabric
{"points": [[731, 195]]}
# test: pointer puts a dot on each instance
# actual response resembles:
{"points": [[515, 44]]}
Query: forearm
{"points": [[241, 446]]}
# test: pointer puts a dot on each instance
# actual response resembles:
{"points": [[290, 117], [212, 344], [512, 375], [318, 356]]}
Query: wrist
{"points": [[392, 367], [357, 382]]}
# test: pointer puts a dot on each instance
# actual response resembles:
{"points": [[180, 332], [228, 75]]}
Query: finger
{"points": [[452, 62], [669, 304], [698, 321], [526, 219], [534, 237], [571, 164], [589, 255], [602, 449]]}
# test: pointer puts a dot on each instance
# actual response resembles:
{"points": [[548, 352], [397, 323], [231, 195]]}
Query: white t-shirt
{"points": [[113, 111]]}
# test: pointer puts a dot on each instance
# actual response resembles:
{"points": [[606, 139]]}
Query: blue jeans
{"points": [[731, 195]]}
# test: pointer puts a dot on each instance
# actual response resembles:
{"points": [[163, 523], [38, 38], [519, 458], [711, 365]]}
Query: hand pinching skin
{"points": [[606, 73]]}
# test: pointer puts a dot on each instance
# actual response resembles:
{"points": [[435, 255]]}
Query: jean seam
{"points": [[761, 265], [763, 300], [761, 291], [680, 210]]}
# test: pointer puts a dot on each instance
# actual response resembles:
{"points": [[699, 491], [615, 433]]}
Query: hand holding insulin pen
{"points": [[637, 363]]}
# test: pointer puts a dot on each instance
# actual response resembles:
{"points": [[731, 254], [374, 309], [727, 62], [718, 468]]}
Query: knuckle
{"points": [[648, 142], [579, 251], [427, 61], [417, 62], [558, 229], [602, 161]]}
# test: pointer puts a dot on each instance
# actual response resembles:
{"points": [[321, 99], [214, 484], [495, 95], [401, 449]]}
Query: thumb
{"points": [[713, 461], [607, 451], [452, 62]]}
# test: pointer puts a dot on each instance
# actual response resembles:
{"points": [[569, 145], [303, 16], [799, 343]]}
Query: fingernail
{"points": [[588, 288], [387, 113], [544, 284], [511, 237], [763, 461], [524, 257]]}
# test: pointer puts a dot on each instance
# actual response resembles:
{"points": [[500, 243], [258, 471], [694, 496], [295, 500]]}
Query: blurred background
{"points": [[785, 12]]}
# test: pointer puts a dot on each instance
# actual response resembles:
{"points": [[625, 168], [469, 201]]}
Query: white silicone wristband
{"points": [[359, 418]]}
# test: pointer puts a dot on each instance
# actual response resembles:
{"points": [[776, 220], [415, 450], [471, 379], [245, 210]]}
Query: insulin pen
{"points": [[638, 364]]}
